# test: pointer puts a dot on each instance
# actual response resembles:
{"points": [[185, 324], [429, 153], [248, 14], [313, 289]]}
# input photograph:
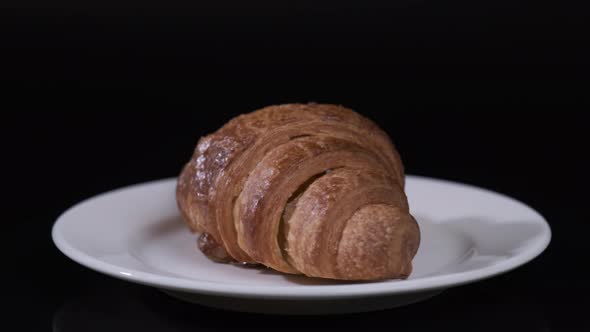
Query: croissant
{"points": [[309, 189]]}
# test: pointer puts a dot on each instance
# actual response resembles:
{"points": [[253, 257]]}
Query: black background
{"points": [[107, 94]]}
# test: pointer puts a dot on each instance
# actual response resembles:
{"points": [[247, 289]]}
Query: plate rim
{"points": [[303, 292]]}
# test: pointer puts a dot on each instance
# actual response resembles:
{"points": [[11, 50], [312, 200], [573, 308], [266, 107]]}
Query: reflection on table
{"points": [[136, 308]]}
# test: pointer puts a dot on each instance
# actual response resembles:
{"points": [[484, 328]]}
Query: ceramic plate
{"points": [[136, 234]]}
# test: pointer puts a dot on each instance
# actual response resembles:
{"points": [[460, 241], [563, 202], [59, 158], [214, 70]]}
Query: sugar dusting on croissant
{"points": [[308, 189]]}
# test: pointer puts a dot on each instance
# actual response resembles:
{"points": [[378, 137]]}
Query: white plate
{"points": [[136, 234]]}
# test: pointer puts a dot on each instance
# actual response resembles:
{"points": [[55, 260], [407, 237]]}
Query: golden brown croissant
{"points": [[302, 188]]}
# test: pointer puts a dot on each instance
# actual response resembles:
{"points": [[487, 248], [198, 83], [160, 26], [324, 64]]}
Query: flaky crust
{"points": [[302, 188]]}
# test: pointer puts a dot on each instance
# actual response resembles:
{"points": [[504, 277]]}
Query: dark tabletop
{"points": [[107, 94]]}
